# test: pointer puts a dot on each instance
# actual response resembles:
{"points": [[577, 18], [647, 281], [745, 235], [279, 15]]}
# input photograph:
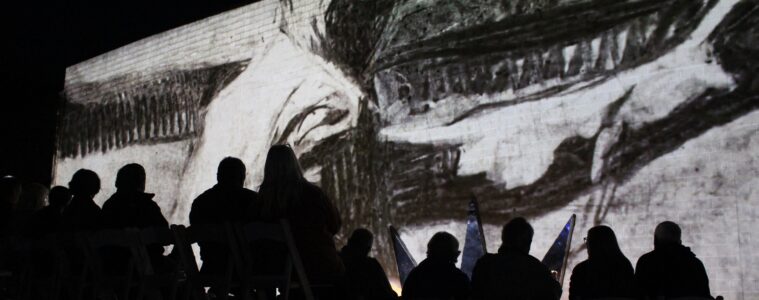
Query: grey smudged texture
{"points": [[129, 110], [541, 50], [534, 52]]}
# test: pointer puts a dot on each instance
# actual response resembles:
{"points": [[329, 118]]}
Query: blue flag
{"points": [[474, 245], [403, 258], [556, 257]]}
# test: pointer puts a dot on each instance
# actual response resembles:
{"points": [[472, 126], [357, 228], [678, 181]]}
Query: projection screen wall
{"points": [[626, 113]]}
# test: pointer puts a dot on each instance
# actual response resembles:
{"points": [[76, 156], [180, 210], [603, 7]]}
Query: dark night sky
{"points": [[42, 38]]}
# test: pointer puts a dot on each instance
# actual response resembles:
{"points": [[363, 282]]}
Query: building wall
{"points": [[402, 110]]}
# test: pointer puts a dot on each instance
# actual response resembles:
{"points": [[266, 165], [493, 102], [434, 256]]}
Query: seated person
{"points": [[82, 214], [131, 207], [437, 277], [607, 273], [670, 270], [364, 276], [513, 273], [313, 218], [46, 220], [227, 201]]}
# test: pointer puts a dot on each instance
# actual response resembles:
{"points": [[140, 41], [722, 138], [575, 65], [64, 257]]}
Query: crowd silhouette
{"points": [[309, 222]]}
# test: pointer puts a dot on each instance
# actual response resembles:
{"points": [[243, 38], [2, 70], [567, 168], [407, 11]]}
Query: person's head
{"points": [[10, 190], [602, 243], [443, 246], [231, 171], [361, 240], [84, 183], [517, 234], [131, 177], [32, 196], [59, 196], [282, 165], [667, 233]]}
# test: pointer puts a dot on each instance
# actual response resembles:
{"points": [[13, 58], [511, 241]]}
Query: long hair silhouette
{"points": [[602, 244], [282, 184]]}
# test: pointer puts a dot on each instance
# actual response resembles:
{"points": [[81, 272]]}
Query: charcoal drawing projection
{"points": [[402, 110]]}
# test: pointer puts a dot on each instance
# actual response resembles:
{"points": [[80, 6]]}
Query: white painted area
{"points": [[254, 109]]}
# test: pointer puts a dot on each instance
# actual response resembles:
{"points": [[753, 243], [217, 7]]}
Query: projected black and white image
{"points": [[622, 112]]}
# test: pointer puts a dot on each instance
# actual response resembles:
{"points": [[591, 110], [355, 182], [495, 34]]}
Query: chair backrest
{"points": [[221, 234], [110, 238], [276, 232], [162, 236]]}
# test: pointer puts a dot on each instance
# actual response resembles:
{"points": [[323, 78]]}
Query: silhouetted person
{"points": [[32, 197], [131, 207], [437, 277], [513, 273], [82, 214], [10, 192], [48, 219], [227, 201], [313, 218], [365, 278], [671, 270], [607, 273]]}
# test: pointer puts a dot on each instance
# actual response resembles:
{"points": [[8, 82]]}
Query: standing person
{"points": [[131, 207], [226, 201], [364, 276], [314, 220], [513, 273], [607, 273], [82, 214], [437, 277], [671, 270]]}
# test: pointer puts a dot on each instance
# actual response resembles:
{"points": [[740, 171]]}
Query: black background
{"points": [[42, 38]]}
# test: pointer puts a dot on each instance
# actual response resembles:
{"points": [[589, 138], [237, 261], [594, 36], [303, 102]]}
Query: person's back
{"points": [[513, 273], [227, 201], [607, 273], [131, 207], [437, 277], [82, 214], [313, 218], [48, 219], [364, 276], [670, 270]]}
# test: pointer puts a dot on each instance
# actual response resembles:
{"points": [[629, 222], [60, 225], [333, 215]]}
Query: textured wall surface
{"points": [[626, 113]]}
